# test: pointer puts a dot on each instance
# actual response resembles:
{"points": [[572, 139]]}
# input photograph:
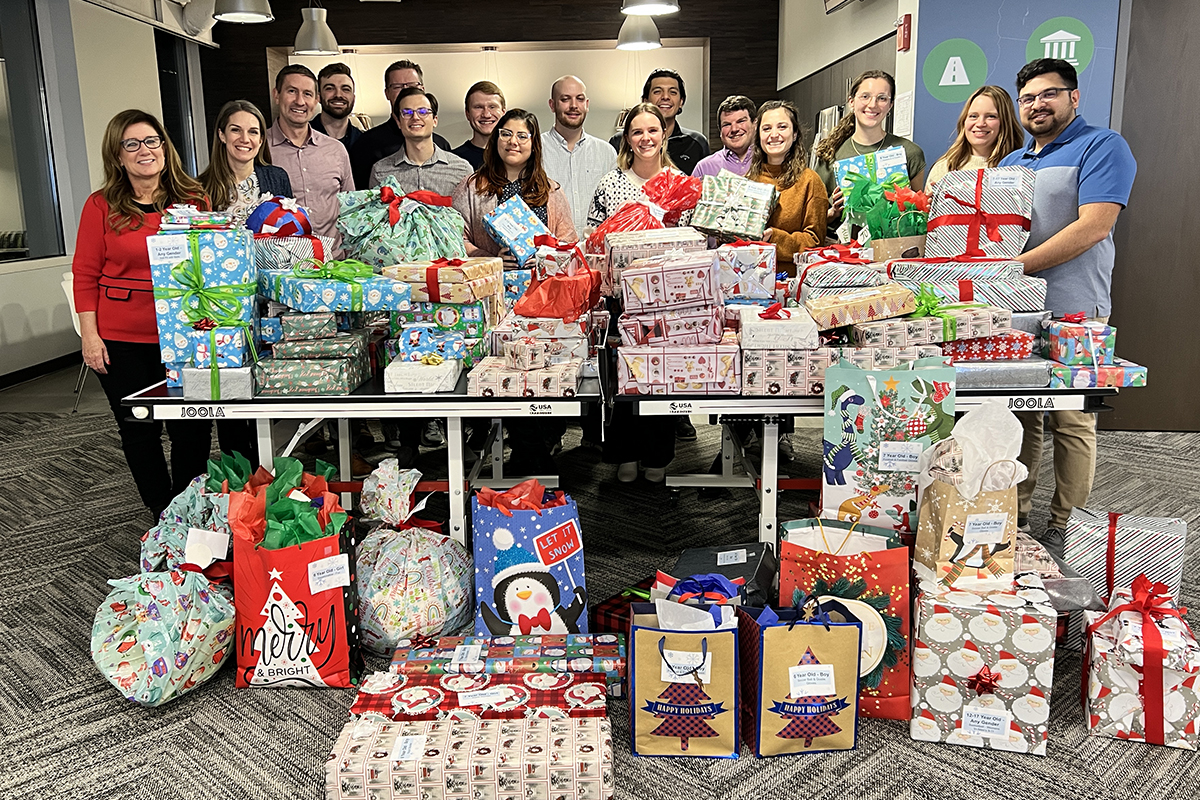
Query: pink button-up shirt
{"points": [[318, 169]]}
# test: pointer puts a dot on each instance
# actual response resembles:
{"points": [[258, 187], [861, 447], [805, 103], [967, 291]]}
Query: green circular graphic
{"points": [[954, 69], [1062, 37]]}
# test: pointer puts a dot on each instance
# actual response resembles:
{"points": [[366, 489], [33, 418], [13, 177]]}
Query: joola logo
{"points": [[1044, 403], [204, 412]]}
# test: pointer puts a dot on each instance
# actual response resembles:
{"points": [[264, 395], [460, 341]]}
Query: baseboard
{"points": [[38, 370]]}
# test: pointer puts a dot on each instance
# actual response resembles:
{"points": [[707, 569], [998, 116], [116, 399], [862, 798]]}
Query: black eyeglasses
{"points": [[1046, 95], [420, 112], [132, 145]]}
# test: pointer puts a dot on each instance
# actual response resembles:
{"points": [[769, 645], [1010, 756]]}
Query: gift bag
{"points": [[529, 576], [799, 680], [297, 619], [858, 573], [158, 635], [566, 297], [877, 423], [707, 588], [674, 193], [683, 684]]}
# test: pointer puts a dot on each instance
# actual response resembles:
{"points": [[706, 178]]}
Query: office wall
{"points": [[810, 39]]}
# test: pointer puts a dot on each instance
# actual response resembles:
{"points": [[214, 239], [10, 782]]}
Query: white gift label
{"points": [[985, 722], [408, 205], [482, 697], [683, 661], [408, 748], [168, 249], [329, 573], [899, 456], [811, 680], [888, 160], [985, 529], [507, 226], [731, 557], [1004, 180], [203, 547], [466, 654]]}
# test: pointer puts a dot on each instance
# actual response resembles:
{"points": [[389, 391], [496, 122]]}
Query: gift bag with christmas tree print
{"points": [[877, 423], [684, 685], [799, 679]]}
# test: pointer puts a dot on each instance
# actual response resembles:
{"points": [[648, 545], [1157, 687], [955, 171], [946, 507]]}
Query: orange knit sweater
{"points": [[798, 221]]}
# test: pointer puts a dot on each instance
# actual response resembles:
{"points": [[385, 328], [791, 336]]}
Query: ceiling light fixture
{"points": [[246, 12], [638, 33], [315, 37], [640, 8]]}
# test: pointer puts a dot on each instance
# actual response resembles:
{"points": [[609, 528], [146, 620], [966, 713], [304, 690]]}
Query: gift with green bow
{"points": [[384, 226], [346, 285], [889, 210]]}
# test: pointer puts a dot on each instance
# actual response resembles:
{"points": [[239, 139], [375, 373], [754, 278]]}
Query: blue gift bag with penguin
{"points": [[529, 577]]}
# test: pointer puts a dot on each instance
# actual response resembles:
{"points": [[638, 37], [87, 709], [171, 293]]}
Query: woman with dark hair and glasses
{"points": [[512, 165], [239, 169], [115, 298]]}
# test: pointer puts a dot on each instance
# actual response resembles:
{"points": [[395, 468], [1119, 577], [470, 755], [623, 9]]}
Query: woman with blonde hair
{"points": [[114, 297], [988, 130], [239, 170], [641, 156]]}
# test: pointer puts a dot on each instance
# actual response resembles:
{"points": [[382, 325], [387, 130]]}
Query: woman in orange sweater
{"points": [[798, 221], [115, 298]]}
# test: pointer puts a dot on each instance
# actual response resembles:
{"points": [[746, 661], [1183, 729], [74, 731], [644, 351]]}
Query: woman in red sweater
{"points": [[115, 299]]}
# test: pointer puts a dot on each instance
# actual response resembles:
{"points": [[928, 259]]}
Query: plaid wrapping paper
{"points": [[513, 224], [1016, 294], [673, 281], [1031, 373], [746, 270], [413, 697], [526, 353], [1080, 343], [1005, 347], [490, 378], [1119, 373], [731, 205], [686, 326], [350, 345], [473, 319], [940, 269], [625, 247], [482, 760], [516, 283], [612, 615], [410, 377], [232, 350], [317, 325], [953, 323], [861, 305], [277, 377], [789, 329], [983, 212], [376, 293], [417, 341], [284, 252], [233, 383], [680, 369], [381, 226]]}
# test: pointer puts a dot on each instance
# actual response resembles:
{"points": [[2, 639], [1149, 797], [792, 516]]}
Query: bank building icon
{"points": [[1061, 44]]}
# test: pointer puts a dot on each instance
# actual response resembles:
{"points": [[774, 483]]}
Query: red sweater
{"points": [[112, 274]]}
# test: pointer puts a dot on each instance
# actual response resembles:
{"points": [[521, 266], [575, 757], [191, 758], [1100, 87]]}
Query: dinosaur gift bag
{"points": [[529, 576], [877, 424]]}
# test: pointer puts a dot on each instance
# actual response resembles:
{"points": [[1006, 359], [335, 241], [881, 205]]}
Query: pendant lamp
{"points": [[243, 11], [638, 33], [649, 7], [314, 37]]}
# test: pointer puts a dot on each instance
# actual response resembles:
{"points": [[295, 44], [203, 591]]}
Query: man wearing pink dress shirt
{"points": [[735, 115]]}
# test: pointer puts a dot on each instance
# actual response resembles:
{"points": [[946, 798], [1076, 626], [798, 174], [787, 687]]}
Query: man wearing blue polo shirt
{"points": [[1084, 176]]}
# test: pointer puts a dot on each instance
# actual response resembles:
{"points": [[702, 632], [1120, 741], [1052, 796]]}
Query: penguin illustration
{"points": [[526, 596]]}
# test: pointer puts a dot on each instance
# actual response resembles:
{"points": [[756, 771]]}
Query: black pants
{"points": [[632, 437], [239, 436], [134, 366]]}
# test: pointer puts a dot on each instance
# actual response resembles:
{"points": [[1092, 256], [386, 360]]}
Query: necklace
{"points": [[854, 144]]}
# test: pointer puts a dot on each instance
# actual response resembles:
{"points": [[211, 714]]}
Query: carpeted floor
{"points": [[70, 521]]}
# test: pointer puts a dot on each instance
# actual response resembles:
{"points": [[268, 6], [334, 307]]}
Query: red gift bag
{"points": [[674, 193], [565, 297]]}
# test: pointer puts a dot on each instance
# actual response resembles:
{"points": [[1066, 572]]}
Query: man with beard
{"points": [[336, 85], [1084, 176], [735, 116], [664, 89], [485, 106], [573, 159]]}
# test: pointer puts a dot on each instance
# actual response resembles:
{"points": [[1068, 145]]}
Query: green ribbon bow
{"points": [[348, 271], [930, 305], [867, 205]]}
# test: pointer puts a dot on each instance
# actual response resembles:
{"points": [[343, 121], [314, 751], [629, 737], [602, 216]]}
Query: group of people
{"points": [[573, 182]]}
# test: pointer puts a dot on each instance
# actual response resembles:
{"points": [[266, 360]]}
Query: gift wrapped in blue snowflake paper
{"points": [[270, 330], [417, 341], [516, 283], [336, 286], [384, 226], [202, 280], [231, 347], [514, 225]]}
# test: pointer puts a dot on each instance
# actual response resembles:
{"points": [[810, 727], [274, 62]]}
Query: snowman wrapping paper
{"points": [[529, 574], [982, 667]]}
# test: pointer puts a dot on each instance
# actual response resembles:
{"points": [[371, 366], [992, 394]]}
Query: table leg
{"points": [[498, 449], [769, 481], [345, 447], [266, 443], [456, 479], [727, 451]]}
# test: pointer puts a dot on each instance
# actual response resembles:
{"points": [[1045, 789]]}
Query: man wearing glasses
{"points": [[420, 163], [386, 138], [1084, 176]]}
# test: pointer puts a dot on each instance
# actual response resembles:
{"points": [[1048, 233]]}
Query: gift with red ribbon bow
{"points": [[554, 257], [385, 226], [983, 212], [450, 280]]}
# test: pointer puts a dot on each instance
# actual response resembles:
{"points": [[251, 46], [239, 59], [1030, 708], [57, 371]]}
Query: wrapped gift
{"points": [[625, 247], [414, 697], [1119, 373], [424, 377], [792, 373], [1112, 549], [1088, 344], [201, 279], [861, 305], [270, 330], [731, 205], [514, 225], [514, 327], [317, 325], [417, 341], [228, 347], [731, 313], [491, 378], [746, 269], [559, 350], [466, 758], [472, 319], [1005, 347], [1026, 373], [337, 286], [516, 283], [680, 369], [276, 253], [383, 226], [1030, 321], [983, 666], [230, 383], [686, 326], [1141, 669], [879, 167], [676, 280], [887, 357], [279, 377], [450, 280], [776, 328], [954, 269], [174, 373], [352, 346], [1025, 293], [981, 213], [949, 324], [824, 275], [554, 257], [526, 353]]}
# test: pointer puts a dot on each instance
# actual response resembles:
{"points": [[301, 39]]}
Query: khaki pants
{"points": [[1074, 435]]}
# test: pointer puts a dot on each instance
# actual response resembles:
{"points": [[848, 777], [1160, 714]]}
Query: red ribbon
{"points": [[977, 220], [414, 522], [421, 641], [432, 286], [966, 291], [839, 254], [539, 620], [292, 227], [389, 198], [547, 240], [1075, 318], [984, 682], [1151, 601], [318, 248], [774, 311], [1110, 558], [749, 243]]}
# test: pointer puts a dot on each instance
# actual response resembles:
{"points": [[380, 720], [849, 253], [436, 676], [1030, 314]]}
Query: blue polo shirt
{"points": [[1084, 164]]}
